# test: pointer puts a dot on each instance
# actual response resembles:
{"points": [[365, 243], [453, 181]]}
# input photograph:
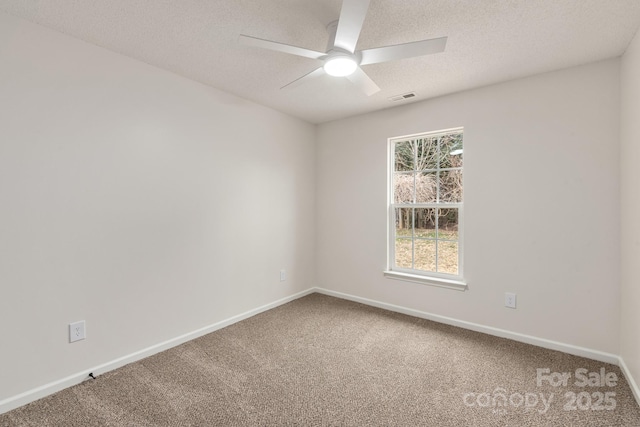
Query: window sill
{"points": [[457, 285]]}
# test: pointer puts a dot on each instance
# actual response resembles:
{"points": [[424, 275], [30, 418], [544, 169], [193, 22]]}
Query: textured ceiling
{"points": [[489, 41]]}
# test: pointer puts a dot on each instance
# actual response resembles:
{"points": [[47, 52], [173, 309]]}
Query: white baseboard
{"points": [[528, 339], [55, 386], [39, 392], [630, 380]]}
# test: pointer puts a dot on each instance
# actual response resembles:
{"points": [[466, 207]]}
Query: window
{"points": [[425, 208]]}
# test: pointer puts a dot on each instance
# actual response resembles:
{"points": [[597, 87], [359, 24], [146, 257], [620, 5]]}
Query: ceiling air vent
{"points": [[402, 97]]}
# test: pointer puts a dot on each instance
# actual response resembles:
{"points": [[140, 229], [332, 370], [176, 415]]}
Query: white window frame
{"points": [[451, 281]]}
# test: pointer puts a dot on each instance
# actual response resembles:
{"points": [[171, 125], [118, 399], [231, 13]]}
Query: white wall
{"points": [[630, 194], [142, 202], [541, 205]]}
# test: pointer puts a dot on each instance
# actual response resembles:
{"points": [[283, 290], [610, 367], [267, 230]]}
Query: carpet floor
{"points": [[322, 361]]}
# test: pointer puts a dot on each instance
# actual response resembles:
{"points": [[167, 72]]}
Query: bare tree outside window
{"points": [[427, 191]]}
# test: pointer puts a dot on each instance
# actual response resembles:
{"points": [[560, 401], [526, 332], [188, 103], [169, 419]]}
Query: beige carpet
{"points": [[328, 362]]}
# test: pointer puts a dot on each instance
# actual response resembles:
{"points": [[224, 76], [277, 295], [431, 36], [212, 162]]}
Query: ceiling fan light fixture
{"points": [[341, 57], [340, 66]]}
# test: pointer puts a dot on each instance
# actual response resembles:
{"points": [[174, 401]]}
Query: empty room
{"points": [[320, 212]]}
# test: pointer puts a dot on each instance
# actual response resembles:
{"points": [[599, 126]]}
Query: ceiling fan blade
{"points": [[364, 82], [280, 47], [309, 76], [350, 23], [400, 51]]}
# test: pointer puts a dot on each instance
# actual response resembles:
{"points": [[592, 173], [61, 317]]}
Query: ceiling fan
{"points": [[341, 58]]}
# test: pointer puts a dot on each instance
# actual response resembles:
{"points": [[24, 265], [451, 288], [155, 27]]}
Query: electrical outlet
{"points": [[510, 300], [283, 275], [77, 331]]}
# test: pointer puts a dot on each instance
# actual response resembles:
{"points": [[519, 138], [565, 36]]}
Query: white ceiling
{"points": [[489, 41]]}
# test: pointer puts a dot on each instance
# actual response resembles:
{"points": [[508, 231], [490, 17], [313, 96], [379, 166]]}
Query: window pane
{"points": [[404, 253], [447, 257], [448, 224], [451, 186], [426, 153], [451, 151], [404, 222], [404, 156], [426, 187], [427, 170], [425, 255], [403, 187], [425, 223]]}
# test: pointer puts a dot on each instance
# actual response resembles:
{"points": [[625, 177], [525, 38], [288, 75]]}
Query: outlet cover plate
{"points": [[77, 331], [510, 300]]}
